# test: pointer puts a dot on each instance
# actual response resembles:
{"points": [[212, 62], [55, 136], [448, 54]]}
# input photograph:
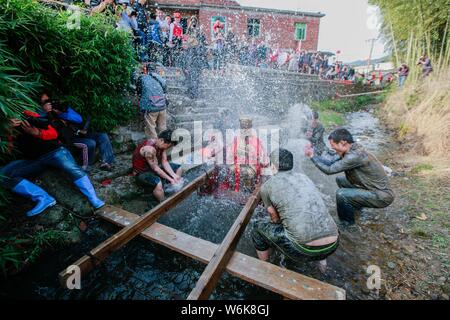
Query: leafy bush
{"points": [[16, 253], [89, 67], [16, 90]]}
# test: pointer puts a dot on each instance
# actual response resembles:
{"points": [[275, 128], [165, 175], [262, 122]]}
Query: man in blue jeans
{"points": [[81, 135], [42, 151], [365, 184]]}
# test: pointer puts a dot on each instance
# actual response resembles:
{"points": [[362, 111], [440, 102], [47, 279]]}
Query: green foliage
{"points": [[11, 256], [16, 89], [16, 253], [43, 240], [348, 104], [422, 167], [89, 67], [411, 28], [331, 119]]}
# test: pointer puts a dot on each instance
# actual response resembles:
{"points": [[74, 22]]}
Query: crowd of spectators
{"points": [[176, 41]]}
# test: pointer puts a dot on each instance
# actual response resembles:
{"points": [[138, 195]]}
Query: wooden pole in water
{"points": [[360, 94], [211, 275], [102, 251]]}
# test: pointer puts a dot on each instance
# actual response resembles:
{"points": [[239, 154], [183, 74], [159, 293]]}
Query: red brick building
{"points": [[282, 27]]}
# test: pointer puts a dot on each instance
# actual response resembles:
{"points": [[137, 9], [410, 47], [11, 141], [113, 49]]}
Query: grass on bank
{"points": [[332, 111], [420, 114], [16, 253], [427, 198]]}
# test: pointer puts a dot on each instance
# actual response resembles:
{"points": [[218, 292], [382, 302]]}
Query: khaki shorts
{"points": [[155, 121]]}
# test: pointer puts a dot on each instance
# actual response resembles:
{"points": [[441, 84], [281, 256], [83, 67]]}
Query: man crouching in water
{"points": [[301, 226], [150, 164], [365, 184]]}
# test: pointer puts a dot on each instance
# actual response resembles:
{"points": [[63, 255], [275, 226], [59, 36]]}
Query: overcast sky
{"points": [[346, 26]]}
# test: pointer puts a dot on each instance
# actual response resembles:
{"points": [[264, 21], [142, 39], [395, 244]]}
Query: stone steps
{"points": [[206, 117]]}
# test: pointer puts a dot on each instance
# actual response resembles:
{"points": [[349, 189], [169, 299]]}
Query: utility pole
{"points": [[371, 52]]}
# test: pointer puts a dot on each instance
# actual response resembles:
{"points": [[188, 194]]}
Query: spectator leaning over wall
{"points": [[176, 38]]}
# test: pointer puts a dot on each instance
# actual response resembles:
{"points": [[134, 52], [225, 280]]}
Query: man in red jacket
{"points": [[38, 145]]}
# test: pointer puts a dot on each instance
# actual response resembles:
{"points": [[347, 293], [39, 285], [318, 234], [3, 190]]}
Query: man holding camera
{"points": [[78, 131], [38, 144]]}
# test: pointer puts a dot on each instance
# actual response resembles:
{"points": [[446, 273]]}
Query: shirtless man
{"points": [[151, 167]]}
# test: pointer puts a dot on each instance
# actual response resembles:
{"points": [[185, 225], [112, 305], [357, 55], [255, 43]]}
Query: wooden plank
{"points": [[360, 94], [287, 283], [102, 251], [211, 275]]}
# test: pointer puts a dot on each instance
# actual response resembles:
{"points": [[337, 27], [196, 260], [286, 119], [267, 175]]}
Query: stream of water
{"points": [[143, 270]]}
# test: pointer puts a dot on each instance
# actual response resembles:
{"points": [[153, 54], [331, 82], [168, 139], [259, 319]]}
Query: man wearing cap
{"points": [[300, 225], [365, 184], [150, 164]]}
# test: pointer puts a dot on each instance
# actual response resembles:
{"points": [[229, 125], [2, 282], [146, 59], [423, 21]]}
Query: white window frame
{"points": [[306, 31], [259, 33]]}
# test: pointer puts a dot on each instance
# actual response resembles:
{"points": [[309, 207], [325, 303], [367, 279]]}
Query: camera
{"points": [[40, 123]]}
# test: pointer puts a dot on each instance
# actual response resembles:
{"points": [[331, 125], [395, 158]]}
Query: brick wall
{"points": [[279, 28], [276, 26]]}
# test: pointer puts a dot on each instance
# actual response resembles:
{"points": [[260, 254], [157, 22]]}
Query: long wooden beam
{"points": [[360, 94], [211, 275], [102, 251], [285, 282]]}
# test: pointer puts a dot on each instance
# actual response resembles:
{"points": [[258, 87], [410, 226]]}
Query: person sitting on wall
{"points": [[300, 225], [151, 167], [82, 136], [365, 184], [38, 144]]}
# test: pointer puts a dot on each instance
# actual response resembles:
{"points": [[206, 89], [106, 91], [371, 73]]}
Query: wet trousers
{"points": [[351, 199]]}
